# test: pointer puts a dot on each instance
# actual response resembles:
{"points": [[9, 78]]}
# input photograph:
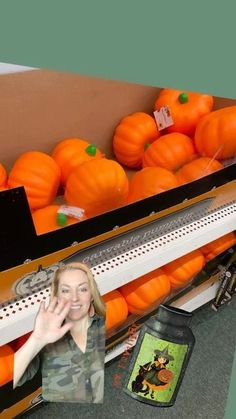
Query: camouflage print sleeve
{"points": [[30, 372]]}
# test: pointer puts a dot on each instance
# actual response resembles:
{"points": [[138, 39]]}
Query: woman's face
{"points": [[161, 359], [73, 286]]}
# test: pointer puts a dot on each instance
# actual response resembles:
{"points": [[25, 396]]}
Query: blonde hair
{"points": [[99, 304]]}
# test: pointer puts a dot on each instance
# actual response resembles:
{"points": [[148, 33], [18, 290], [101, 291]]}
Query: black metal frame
{"points": [[19, 241]]}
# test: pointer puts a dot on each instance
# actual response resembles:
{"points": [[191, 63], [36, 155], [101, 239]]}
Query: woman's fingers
{"points": [[65, 328], [42, 306], [52, 305], [65, 310], [60, 306]]}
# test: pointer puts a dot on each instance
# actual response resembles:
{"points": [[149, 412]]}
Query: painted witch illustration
{"points": [[154, 376]]}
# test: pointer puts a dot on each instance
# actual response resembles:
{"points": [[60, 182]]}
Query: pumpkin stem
{"points": [[183, 98], [61, 220], [146, 145], [91, 150]]}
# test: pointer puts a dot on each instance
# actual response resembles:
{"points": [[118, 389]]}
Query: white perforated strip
{"points": [[17, 318]]}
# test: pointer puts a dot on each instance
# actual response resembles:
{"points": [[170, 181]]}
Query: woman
{"points": [[70, 334]]}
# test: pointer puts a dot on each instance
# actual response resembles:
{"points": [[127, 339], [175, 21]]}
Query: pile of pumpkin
{"points": [[138, 296], [154, 288], [192, 147]]}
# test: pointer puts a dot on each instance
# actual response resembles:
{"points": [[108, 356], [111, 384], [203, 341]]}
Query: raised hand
{"points": [[48, 324]]}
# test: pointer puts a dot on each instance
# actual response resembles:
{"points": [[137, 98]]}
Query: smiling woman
{"points": [[68, 340]]}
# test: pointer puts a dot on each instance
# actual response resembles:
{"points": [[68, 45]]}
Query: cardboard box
{"points": [[40, 108]]}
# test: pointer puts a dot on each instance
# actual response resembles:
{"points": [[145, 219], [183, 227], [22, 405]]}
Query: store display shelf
{"points": [[17, 318], [156, 253]]}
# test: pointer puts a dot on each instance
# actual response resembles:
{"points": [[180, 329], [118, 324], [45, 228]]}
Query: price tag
{"points": [[74, 212], [163, 118]]}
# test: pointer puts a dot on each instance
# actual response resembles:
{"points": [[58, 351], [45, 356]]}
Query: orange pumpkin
{"points": [[116, 308], [144, 292], [71, 152], [6, 364], [3, 176], [186, 108], [198, 168], [40, 176], [183, 269], [3, 188], [97, 186], [214, 248], [131, 136], [150, 181], [171, 151], [47, 219], [215, 134], [17, 343]]}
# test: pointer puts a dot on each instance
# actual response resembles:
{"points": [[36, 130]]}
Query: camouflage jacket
{"points": [[68, 374]]}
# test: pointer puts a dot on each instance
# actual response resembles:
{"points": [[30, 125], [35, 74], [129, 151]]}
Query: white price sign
{"points": [[163, 118]]}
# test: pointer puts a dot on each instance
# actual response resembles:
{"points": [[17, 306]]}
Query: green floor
{"points": [[204, 389]]}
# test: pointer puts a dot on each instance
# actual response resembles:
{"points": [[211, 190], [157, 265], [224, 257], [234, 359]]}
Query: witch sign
{"points": [[160, 357], [154, 376]]}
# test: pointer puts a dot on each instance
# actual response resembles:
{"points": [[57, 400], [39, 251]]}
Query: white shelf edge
{"points": [[7, 68], [121, 275], [22, 322]]}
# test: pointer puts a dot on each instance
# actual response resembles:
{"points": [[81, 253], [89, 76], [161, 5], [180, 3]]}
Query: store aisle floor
{"points": [[204, 389]]}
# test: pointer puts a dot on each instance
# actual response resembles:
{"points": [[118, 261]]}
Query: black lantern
{"points": [[160, 357]]}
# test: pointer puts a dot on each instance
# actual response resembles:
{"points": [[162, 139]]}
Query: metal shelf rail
{"points": [[17, 318]]}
